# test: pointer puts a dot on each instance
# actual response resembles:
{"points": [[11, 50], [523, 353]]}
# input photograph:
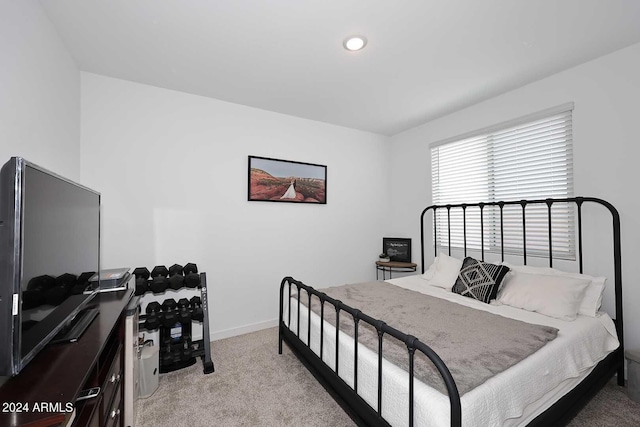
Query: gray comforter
{"points": [[474, 344]]}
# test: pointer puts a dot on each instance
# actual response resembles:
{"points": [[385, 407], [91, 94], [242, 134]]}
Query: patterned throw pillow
{"points": [[479, 280]]}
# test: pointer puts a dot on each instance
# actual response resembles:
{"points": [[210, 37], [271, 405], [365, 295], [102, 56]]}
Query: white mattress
{"points": [[511, 398]]}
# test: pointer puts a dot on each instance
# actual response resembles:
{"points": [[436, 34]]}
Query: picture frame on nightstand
{"points": [[397, 248]]}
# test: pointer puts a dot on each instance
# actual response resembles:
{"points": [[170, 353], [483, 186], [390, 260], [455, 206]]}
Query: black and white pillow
{"points": [[479, 280]]}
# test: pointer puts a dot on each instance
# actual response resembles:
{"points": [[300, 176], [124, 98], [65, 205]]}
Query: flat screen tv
{"points": [[49, 249]]}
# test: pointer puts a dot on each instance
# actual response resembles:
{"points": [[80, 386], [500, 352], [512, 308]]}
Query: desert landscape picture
{"points": [[286, 181]]}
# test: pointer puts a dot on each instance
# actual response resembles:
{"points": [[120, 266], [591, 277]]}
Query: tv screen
{"points": [[51, 240]]}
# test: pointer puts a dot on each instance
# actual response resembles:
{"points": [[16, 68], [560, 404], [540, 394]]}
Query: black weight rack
{"points": [[177, 348]]}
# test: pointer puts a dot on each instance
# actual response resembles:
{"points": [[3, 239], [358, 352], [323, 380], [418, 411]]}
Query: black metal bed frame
{"points": [[362, 413]]}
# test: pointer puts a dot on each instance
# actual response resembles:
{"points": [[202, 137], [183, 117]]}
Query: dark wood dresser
{"points": [[49, 384]]}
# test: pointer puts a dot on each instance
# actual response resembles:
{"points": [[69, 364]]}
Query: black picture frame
{"points": [[286, 181], [397, 248]]}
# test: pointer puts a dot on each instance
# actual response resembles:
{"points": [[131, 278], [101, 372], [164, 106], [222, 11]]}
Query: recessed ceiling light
{"points": [[354, 42]]}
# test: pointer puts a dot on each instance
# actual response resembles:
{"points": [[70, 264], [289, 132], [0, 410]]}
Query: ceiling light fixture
{"points": [[354, 43]]}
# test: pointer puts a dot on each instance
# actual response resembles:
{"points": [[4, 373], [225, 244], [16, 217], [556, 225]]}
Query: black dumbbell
{"points": [[184, 314], [176, 353], [159, 281], [153, 307], [169, 313], [196, 309], [152, 322], [197, 314], [167, 358], [153, 316], [169, 318], [142, 280], [191, 276], [176, 279], [166, 341], [187, 352], [169, 304]]}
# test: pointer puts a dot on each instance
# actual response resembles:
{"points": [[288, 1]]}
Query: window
{"points": [[528, 158]]}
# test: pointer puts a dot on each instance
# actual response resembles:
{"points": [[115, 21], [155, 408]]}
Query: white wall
{"points": [[39, 91], [172, 170], [605, 139]]}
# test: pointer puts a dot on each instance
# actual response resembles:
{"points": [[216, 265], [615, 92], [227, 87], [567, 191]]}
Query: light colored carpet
{"points": [[609, 408], [254, 386]]}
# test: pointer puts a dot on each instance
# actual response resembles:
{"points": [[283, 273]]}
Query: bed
{"points": [[377, 391]]}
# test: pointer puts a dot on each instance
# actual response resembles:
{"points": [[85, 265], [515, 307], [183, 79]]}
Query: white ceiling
{"points": [[424, 58]]}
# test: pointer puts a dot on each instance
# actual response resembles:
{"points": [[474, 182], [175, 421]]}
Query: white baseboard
{"points": [[228, 333]]}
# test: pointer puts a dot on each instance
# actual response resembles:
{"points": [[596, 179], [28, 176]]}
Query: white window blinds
{"points": [[531, 158]]}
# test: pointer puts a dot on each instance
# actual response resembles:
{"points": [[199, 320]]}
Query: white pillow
{"points": [[593, 296], [552, 295], [446, 271], [428, 275]]}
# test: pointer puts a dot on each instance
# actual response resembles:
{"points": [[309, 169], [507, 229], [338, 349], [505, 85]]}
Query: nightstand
{"points": [[391, 266]]}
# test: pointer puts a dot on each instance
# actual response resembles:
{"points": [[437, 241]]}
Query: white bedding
{"points": [[513, 397]]}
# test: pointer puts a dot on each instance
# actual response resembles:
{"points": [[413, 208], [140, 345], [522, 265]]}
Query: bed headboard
{"points": [[577, 201]]}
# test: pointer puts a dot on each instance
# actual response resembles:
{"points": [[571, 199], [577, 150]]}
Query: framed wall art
{"points": [[398, 248], [276, 180]]}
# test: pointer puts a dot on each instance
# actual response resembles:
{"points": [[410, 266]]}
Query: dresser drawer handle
{"points": [[115, 413]]}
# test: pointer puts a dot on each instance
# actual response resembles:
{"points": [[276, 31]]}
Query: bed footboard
{"points": [[360, 410]]}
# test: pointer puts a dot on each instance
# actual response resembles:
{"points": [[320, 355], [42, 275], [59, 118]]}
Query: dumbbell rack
{"points": [[179, 353]]}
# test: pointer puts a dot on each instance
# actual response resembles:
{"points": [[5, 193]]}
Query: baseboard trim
{"points": [[254, 327]]}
